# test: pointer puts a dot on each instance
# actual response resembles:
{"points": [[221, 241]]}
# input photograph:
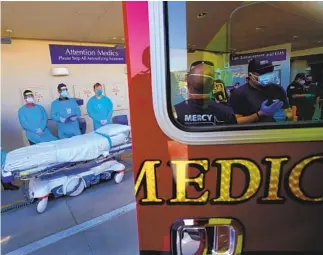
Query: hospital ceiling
{"points": [[299, 23], [256, 25], [99, 22]]}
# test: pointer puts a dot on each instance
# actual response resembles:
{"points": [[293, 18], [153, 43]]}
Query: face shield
{"points": [[202, 76]]}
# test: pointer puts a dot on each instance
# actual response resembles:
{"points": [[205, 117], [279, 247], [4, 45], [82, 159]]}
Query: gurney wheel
{"points": [[42, 205], [118, 177]]}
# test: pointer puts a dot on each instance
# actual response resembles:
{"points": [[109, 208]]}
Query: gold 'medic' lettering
{"points": [[181, 180], [294, 179], [225, 180], [274, 176], [148, 170]]}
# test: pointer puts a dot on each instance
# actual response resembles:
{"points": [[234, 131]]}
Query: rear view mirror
{"points": [[214, 236]]}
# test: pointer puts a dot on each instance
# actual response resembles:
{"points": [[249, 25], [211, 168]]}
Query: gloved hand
{"points": [[270, 109], [309, 95], [280, 115], [62, 119], [73, 118], [103, 122], [39, 131]]}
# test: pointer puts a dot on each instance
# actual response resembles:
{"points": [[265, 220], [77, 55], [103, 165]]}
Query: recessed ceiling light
{"points": [[295, 36], [114, 38], [201, 15], [260, 28]]}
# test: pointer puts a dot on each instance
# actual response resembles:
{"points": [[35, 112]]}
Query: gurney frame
{"points": [[72, 178]]}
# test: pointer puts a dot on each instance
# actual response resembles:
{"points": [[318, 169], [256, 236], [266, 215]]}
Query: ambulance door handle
{"points": [[206, 236]]}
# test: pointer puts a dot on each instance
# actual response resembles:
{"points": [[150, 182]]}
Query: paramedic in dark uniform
{"points": [[311, 87], [260, 100], [302, 96], [199, 109], [320, 90]]}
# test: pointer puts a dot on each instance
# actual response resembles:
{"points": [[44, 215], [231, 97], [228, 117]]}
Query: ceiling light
{"points": [[201, 15], [260, 28], [114, 38], [295, 36], [319, 41]]}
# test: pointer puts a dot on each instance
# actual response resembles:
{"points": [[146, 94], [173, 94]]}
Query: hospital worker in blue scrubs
{"points": [[33, 119], [65, 112], [99, 108]]}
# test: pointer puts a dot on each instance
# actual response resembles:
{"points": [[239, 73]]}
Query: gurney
{"points": [[67, 167]]}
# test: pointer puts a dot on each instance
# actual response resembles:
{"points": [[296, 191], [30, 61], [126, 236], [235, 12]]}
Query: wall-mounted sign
{"points": [[243, 59], [75, 54]]}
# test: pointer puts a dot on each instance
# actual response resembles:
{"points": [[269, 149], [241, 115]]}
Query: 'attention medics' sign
{"points": [[243, 59], [75, 54]]}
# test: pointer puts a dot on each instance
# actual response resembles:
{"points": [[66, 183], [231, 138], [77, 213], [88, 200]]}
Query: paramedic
{"points": [[199, 109], [33, 119], [65, 112], [314, 104], [303, 97], [99, 108], [260, 100], [6, 186]]}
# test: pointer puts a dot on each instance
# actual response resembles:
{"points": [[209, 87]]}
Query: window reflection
{"points": [[237, 65]]}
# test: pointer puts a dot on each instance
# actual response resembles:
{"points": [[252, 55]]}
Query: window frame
{"points": [[239, 134]]}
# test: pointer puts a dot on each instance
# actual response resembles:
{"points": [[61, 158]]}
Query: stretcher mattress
{"points": [[78, 148]]}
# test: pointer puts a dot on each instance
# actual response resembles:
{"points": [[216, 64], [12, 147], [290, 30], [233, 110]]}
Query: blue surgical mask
{"points": [[266, 79], [302, 82], [64, 93], [99, 92], [30, 100]]}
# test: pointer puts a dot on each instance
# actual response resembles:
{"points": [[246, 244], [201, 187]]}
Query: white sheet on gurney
{"points": [[75, 149]]}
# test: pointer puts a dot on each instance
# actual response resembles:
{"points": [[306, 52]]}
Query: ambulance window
{"points": [[244, 65]]}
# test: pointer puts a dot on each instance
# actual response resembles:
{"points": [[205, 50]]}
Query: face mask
{"points": [[99, 92], [29, 100], [266, 79], [64, 93], [302, 82]]}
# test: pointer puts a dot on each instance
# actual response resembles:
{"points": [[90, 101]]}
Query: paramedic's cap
{"points": [[261, 66], [61, 86], [28, 93]]}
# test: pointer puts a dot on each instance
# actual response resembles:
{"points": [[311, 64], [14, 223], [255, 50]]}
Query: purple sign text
{"points": [[243, 59], [74, 54]]}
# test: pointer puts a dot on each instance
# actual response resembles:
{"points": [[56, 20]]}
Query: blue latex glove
{"points": [[309, 95], [280, 115], [270, 109]]}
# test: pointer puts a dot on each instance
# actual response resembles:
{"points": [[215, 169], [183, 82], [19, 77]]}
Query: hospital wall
{"points": [[26, 63]]}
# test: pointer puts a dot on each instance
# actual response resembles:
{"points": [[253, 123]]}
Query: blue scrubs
{"points": [[65, 109], [99, 109], [33, 117]]}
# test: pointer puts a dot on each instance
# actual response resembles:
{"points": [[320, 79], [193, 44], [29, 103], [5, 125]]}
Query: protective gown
{"points": [[65, 109], [100, 109], [32, 118]]}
